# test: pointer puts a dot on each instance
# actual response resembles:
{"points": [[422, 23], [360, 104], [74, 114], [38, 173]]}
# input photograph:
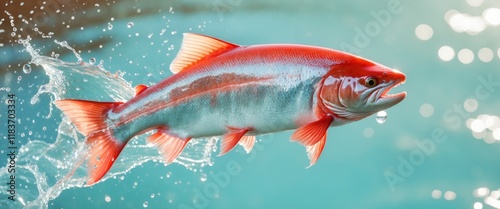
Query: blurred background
{"points": [[439, 148]]}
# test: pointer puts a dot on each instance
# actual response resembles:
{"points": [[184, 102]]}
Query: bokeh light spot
{"points": [[475, 3], [481, 192], [492, 16], [426, 110], [489, 138], [450, 195], [462, 22], [478, 205], [424, 32], [446, 53], [477, 125], [479, 135], [368, 132], [496, 134], [466, 56], [436, 194], [485, 54], [470, 105]]}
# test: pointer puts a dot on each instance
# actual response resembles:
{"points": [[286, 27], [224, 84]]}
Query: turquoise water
{"points": [[437, 149]]}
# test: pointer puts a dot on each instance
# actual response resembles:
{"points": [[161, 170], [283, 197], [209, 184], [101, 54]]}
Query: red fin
{"points": [[169, 146], [312, 133], [314, 151], [140, 88], [195, 47], [89, 119], [247, 143], [104, 151], [231, 139]]}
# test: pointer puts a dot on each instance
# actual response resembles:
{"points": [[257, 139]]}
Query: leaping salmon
{"points": [[237, 92]]}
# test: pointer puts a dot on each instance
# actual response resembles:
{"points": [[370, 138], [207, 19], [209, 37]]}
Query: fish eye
{"points": [[371, 82]]}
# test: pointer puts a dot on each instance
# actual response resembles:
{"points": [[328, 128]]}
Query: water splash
{"points": [[43, 167]]}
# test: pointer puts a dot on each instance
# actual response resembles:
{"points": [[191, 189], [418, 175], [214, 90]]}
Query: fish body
{"points": [[237, 92], [247, 87]]}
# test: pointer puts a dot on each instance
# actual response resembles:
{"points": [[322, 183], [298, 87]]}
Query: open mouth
{"points": [[394, 98], [385, 93]]}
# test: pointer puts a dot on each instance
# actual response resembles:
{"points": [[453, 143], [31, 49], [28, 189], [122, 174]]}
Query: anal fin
{"points": [[231, 139], [168, 145]]}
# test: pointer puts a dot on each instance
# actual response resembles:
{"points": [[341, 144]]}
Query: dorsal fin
{"points": [[195, 47]]}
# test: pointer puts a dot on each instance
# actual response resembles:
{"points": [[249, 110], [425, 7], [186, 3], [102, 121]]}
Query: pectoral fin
{"points": [[313, 137], [314, 151]]}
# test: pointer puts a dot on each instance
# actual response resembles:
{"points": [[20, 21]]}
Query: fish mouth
{"points": [[389, 100]]}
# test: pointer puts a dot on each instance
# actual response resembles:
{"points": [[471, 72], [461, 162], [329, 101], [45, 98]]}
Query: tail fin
{"points": [[89, 117]]}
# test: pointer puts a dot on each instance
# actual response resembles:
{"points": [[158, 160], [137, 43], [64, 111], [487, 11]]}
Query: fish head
{"points": [[357, 90]]}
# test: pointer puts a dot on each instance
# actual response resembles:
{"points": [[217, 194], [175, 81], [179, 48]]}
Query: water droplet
{"points": [[92, 61], [107, 198], [130, 24], [27, 68], [19, 78], [110, 26], [145, 204], [381, 117], [203, 177], [153, 195]]}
